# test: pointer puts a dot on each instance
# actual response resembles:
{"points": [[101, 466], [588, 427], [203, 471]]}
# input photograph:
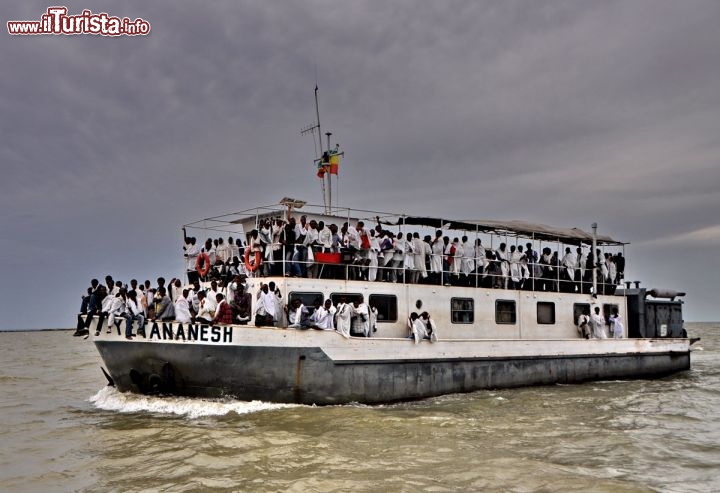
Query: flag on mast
{"points": [[334, 164]]}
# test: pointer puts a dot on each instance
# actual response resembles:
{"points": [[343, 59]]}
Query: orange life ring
{"points": [[202, 264], [252, 267]]}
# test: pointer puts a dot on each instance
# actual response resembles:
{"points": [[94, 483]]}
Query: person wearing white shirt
{"points": [[409, 259], [182, 308], [569, 261], [298, 315], [324, 237], [514, 261], [233, 248], [481, 261], [373, 256], [467, 264], [502, 255], [398, 256], [352, 237], [387, 250], [206, 310], [134, 312], [265, 310], [436, 259], [209, 248], [117, 309], [343, 318], [360, 319], [430, 327], [323, 316], [418, 330], [616, 325], [311, 239], [420, 252], [222, 253], [598, 324], [212, 295]]}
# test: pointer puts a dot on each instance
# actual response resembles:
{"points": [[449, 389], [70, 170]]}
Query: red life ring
{"points": [[252, 266], [202, 264]]}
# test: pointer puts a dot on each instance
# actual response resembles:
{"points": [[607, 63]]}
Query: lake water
{"points": [[64, 430]]}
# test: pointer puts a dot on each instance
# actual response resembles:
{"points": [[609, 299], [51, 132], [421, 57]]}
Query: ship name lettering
{"points": [[204, 333]]}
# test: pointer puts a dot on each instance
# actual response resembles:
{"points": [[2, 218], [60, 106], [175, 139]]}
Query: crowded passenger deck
{"points": [[356, 245]]}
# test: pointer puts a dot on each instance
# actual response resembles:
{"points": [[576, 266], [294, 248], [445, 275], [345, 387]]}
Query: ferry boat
{"points": [[490, 331]]}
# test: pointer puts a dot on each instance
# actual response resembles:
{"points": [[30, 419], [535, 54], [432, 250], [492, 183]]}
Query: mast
{"points": [[595, 260], [328, 206], [327, 160]]}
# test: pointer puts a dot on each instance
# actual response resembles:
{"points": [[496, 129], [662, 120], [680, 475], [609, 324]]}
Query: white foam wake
{"points": [[110, 399]]}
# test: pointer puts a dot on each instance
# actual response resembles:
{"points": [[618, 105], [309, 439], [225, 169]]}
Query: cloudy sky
{"points": [[559, 112]]}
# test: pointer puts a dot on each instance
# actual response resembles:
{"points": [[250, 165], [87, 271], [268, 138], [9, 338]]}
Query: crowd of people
{"points": [[293, 248], [219, 303], [592, 325]]}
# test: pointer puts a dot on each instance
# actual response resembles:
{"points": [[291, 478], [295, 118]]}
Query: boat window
{"points": [[386, 306], [349, 297], [578, 309], [607, 311], [308, 298], [462, 310], [505, 312], [545, 312]]}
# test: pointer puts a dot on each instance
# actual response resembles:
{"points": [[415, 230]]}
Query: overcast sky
{"points": [[559, 112]]}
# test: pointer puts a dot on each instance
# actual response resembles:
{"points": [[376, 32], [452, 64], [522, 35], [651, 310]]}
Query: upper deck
{"points": [[472, 253]]}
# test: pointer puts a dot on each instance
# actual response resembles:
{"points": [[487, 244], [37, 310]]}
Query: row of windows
{"points": [[462, 310], [386, 304]]}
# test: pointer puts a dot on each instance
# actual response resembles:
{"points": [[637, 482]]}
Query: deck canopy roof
{"points": [[247, 220], [515, 228]]}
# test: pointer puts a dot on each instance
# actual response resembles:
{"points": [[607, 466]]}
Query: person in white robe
{"points": [[360, 317], [280, 320], [524, 269], [514, 263], [182, 308], [481, 261], [323, 316], [373, 256], [222, 253], [468, 259], [502, 256], [612, 271], [569, 261], [418, 330], [298, 315], [118, 309], [343, 315], [398, 257], [409, 259], [387, 249], [584, 324], [265, 307], [419, 269], [436, 259], [457, 254], [430, 327], [373, 319], [616, 325], [598, 324]]}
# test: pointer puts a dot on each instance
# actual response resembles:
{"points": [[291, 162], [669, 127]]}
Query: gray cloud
{"points": [[563, 113]]}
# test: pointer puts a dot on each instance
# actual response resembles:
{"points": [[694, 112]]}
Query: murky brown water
{"points": [[62, 430]]}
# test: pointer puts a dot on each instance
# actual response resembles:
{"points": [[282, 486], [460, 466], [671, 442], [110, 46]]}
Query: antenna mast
{"points": [[328, 160], [310, 129]]}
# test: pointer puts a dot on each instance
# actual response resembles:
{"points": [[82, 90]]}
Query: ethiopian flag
{"points": [[334, 163]]}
